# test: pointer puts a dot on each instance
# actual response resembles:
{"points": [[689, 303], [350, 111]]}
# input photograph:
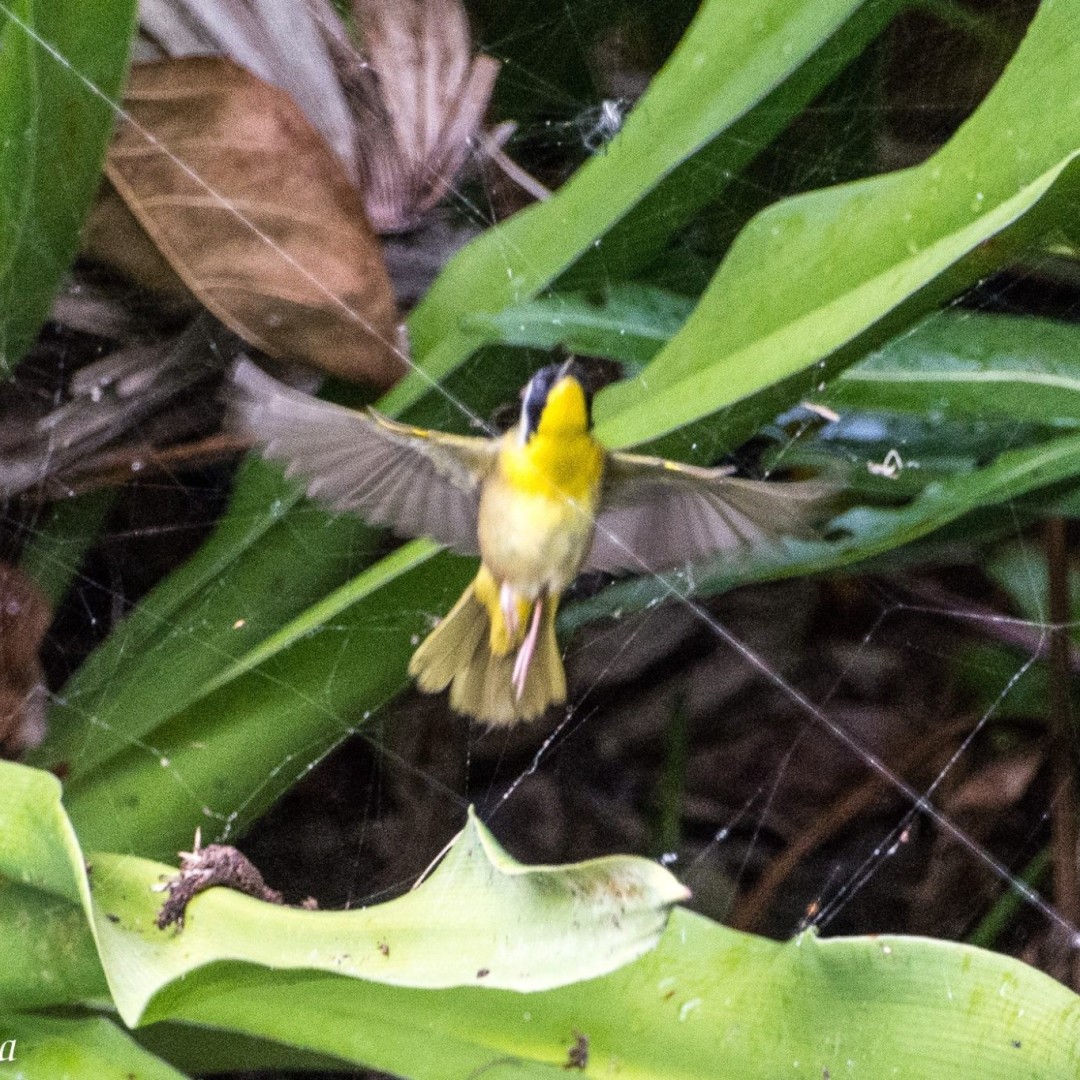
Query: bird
{"points": [[539, 504]]}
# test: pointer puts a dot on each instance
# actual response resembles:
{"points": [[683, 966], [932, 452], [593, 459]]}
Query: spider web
{"points": [[854, 752]]}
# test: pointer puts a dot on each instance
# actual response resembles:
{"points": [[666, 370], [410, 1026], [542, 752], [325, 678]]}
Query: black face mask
{"points": [[536, 394]]}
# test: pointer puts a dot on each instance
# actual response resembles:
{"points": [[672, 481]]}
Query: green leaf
{"points": [[204, 620], [48, 948], [236, 747], [624, 322], [202, 1051], [866, 532], [81, 1049], [512, 927], [805, 1007], [480, 919], [814, 281], [960, 365], [776, 55], [954, 365], [707, 1002], [63, 64]]}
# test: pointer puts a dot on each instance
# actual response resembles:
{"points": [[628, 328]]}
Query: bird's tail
{"points": [[458, 654]]}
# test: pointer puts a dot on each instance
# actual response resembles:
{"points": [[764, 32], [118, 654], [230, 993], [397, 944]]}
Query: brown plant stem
{"points": [[750, 909]]}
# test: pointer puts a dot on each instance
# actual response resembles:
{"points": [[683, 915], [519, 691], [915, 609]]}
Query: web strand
{"points": [[920, 803]]}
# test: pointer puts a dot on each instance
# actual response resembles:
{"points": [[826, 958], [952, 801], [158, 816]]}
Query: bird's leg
{"points": [[508, 601], [525, 653]]}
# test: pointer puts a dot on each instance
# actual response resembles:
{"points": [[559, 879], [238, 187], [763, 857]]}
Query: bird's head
{"points": [[556, 401]]}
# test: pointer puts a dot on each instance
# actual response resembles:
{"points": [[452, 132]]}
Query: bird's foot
{"points": [[508, 601], [525, 653]]}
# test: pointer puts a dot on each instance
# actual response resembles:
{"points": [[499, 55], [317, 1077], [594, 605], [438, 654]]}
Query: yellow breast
{"points": [[537, 513], [561, 469]]}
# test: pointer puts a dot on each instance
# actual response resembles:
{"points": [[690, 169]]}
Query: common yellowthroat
{"points": [[538, 504]]}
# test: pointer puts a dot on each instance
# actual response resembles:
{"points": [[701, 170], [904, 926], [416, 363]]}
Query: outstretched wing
{"points": [[657, 515], [417, 482]]}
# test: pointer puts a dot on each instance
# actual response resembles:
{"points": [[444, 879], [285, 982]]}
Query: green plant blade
{"points": [[815, 280], [805, 1007], [50, 1049], [624, 322], [954, 365], [62, 62], [512, 927], [45, 902], [867, 531], [265, 723], [171, 647], [963, 366], [707, 1002], [702, 91]]}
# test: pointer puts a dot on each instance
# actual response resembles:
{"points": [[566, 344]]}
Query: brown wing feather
{"points": [[418, 483], [657, 515]]}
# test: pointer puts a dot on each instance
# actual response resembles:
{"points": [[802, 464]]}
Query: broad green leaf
{"points": [[624, 322], [865, 531], [806, 1007], [774, 57], [50, 1048], [960, 365], [221, 760], [814, 281], [480, 919], [61, 67], [707, 1002]]}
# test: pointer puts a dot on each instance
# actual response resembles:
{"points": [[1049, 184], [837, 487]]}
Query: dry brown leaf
{"points": [[24, 617], [256, 215], [419, 102], [113, 235]]}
